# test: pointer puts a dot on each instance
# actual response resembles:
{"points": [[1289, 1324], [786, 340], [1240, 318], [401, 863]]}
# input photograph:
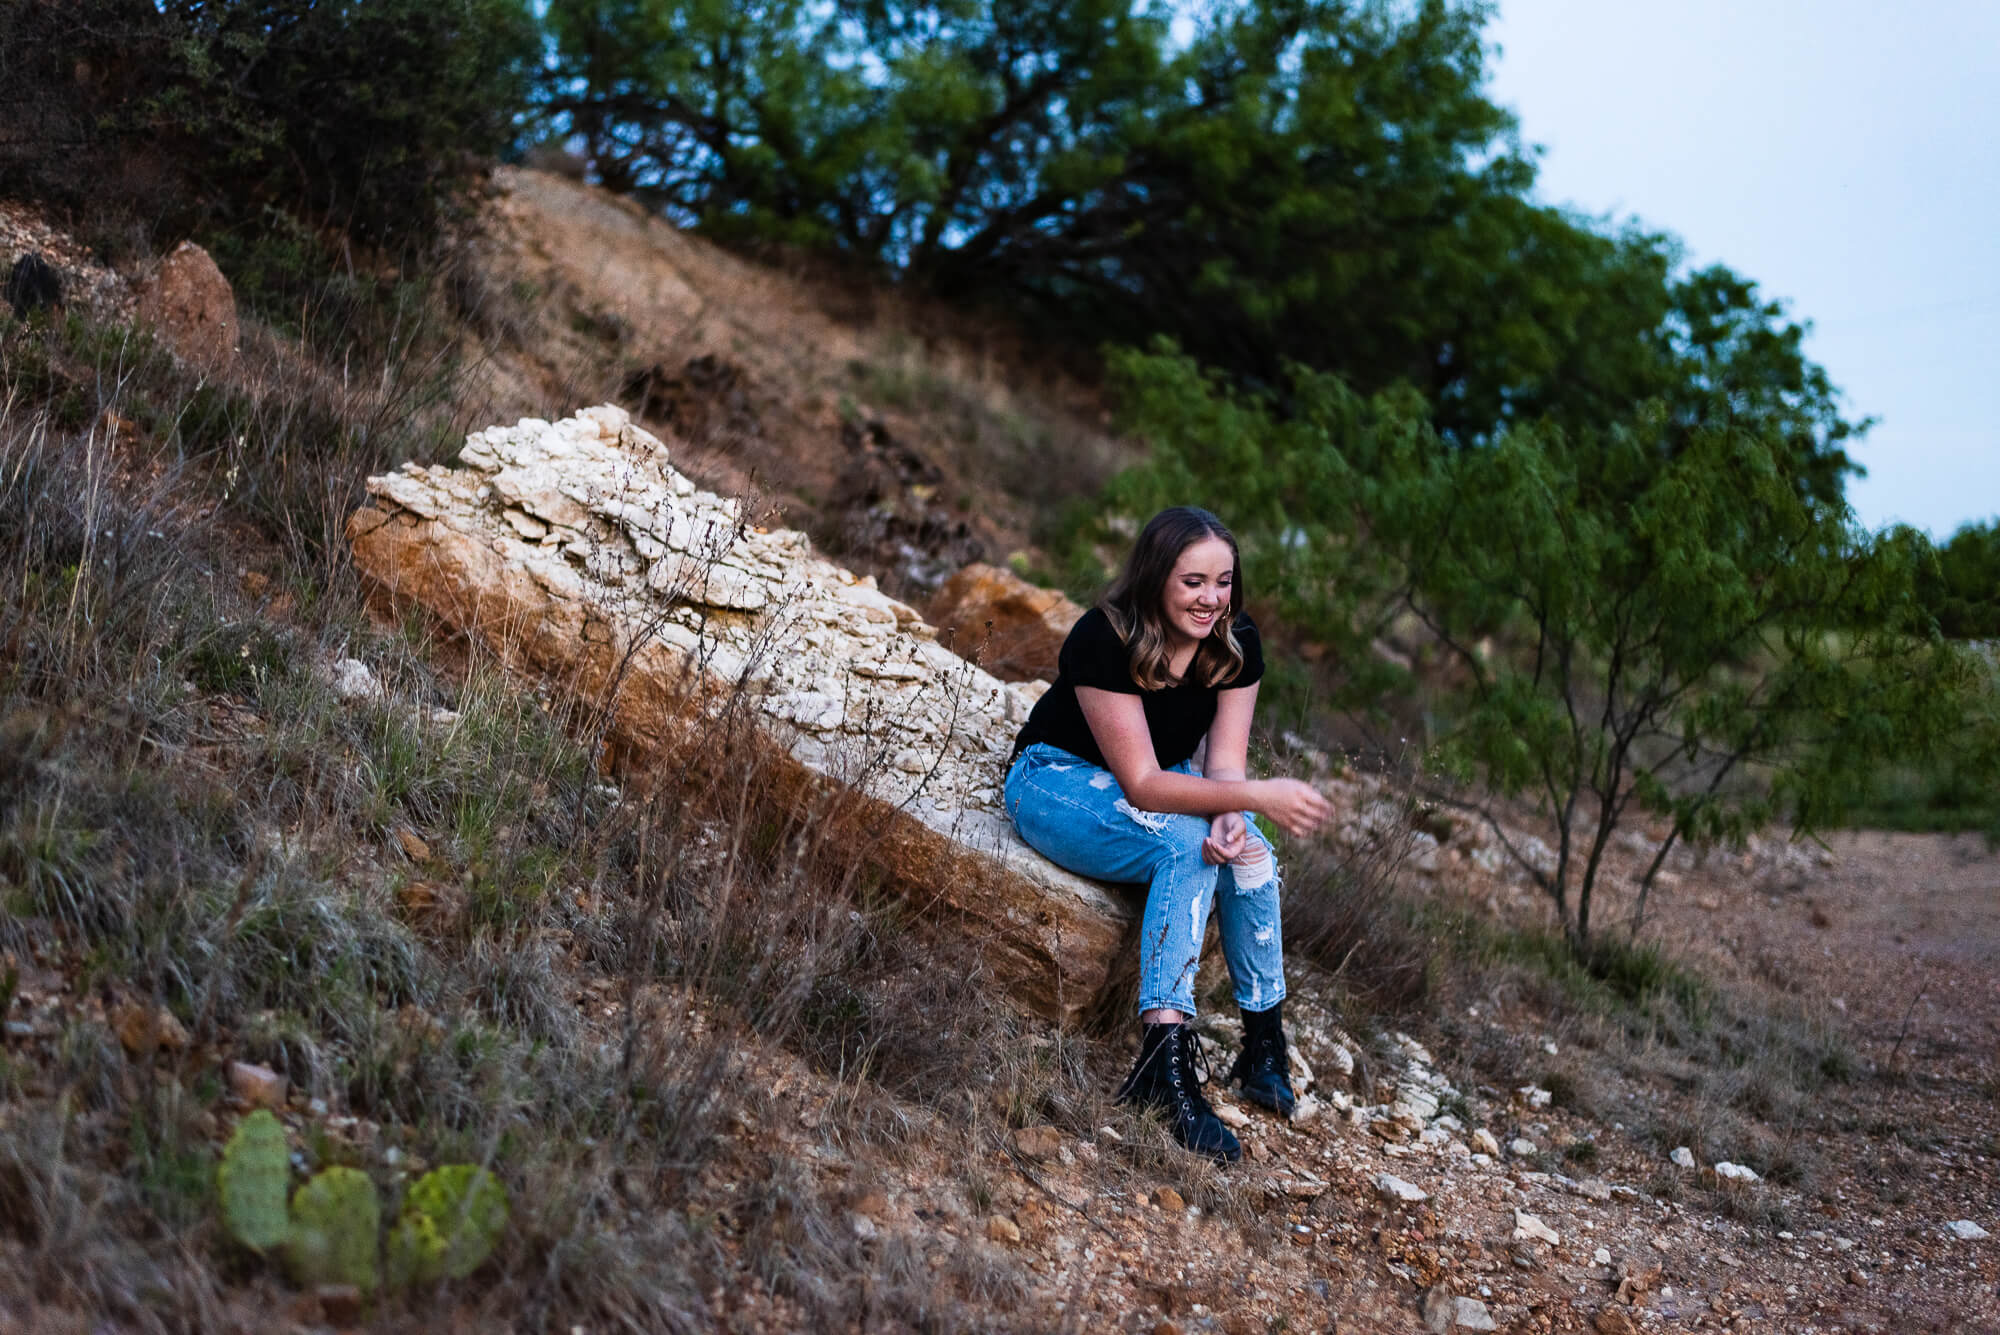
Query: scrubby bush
{"points": [[371, 118]]}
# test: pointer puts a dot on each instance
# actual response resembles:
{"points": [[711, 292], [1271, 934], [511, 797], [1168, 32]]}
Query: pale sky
{"points": [[1844, 155]]}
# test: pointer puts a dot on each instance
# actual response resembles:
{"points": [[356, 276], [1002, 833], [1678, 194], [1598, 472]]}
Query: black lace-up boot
{"points": [[1263, 1066], [1164, 1079]]}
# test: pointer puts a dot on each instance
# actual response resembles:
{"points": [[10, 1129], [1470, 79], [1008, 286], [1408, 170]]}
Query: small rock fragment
{"points": [[1484, 1143], [1445, 1311], [258, 1086], [1682, 1157], [412, 844], [353, 681], [191, 306], [1038, 1142], [1527, 1228], [1735, 1172], [1169, 1200], [1471, 1314], [339, 1304], [1521, 1147], [1392, 1188], [1231, 1115], [1614, 1321], [1592, 1189], [1602, 1256], [1000, 1228], [1967, 1231], [144, 1029]]}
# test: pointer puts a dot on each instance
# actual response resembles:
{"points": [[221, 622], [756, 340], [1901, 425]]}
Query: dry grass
{"points": [[582, 988]]}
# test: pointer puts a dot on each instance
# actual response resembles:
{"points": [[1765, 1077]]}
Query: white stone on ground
{"points": [[353, 681], [1527, 1228], [1393, 1188]]}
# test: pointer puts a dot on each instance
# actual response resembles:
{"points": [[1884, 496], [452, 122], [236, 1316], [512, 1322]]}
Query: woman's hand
{"points": [[1228, 835], [1296, 806]]}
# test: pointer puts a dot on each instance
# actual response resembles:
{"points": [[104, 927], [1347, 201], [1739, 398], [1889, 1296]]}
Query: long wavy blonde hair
{"points": [[1136, 601]]}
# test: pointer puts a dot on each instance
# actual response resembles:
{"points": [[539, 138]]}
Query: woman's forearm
{"points": [[1187, 794]]}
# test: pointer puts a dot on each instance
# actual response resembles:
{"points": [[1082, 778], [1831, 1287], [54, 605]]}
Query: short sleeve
{"points": [[1093, 655], [1252, 645]]}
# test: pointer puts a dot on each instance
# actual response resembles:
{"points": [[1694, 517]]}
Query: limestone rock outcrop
{"points": [[576, 552], [191, 306], [1008, 626]]}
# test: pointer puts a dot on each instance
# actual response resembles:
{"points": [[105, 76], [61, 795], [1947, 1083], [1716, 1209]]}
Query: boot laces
{"points": [[1267, 1055], [1193, 1104]]}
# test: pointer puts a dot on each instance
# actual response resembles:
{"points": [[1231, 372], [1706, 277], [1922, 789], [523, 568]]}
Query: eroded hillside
{"points": [[908, 440], [264, 847]]}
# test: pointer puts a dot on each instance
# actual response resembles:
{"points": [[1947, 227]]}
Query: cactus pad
{"points": [[336, 1230], [251, 1181], [466, 1209], [416, 1251]]}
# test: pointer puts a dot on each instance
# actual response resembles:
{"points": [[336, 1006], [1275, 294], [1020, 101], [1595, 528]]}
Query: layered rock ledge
{"points": [[578, 554]]}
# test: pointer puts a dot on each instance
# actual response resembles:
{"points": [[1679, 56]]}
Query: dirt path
{"points": [[1895, 944]]}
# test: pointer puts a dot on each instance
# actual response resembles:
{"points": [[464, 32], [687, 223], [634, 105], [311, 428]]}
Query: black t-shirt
{"points": [[1093, 655]]}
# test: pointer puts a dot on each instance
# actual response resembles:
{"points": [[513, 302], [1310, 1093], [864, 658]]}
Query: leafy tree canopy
{"points": [[1964, 591], [1264, 181]]}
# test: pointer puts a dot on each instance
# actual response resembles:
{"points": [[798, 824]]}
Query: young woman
{"points": [[1131, 768]]}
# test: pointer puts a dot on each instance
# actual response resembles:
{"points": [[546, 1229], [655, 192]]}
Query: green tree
{"points": [[1661, 614], [1964, 592], [370, 116], [1314, 181]]}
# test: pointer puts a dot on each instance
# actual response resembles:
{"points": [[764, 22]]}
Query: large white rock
{"points": [[576, 552]]}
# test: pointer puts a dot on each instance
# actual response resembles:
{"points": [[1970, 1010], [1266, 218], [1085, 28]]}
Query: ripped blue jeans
{"points": [[1075, 815]]}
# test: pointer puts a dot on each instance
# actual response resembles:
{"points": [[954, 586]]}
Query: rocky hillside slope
{"points": [[265, 844]]}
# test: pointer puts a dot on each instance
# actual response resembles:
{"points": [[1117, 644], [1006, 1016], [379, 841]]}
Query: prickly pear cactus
{"points": [[416, 1251], [455, 1215], [336, 1230], [251, 1181]]}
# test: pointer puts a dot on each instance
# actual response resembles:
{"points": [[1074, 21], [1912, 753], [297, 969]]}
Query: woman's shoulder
{"points": [[1093, 654], [1094, 628]]}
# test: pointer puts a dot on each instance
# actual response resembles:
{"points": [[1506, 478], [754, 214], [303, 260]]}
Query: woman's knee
{"points": [[1256, 867]]}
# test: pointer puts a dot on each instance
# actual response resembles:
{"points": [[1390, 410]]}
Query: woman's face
{"points": [[1199, 589]]}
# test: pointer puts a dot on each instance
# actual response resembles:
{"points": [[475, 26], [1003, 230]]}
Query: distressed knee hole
{"points": [[1102, 780], [1254, 867]]}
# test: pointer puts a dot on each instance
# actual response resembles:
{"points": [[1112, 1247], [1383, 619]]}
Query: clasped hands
{"points": [[1228, 836]]}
